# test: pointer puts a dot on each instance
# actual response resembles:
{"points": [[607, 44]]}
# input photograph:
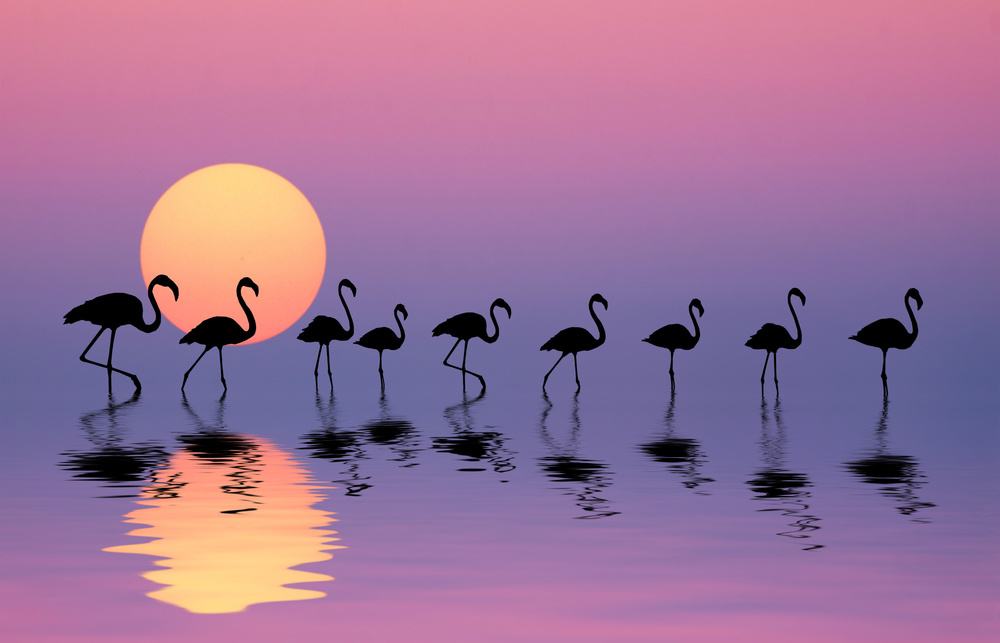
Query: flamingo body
{"points": [[677, 336], [772, 337], [672, 337], [890, 333], [216, 332], [385, 339], [575, 340], [463, 326], [322, 330], [466, 326], [114, 310]]}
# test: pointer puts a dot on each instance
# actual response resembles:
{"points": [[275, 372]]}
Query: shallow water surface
{"points": [[621, 513]]}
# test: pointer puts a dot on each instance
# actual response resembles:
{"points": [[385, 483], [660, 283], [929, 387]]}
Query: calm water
{"points": [[619, 514]]}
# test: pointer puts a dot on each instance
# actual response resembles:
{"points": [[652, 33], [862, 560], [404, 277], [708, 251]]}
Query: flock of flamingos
{"points": [[114, 310]]}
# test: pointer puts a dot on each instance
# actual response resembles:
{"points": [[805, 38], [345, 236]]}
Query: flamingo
{"points": [[771, 337], [113, 311], [464, 327], [216, 332], [674, 336], [890, 333], [574, 340], [382, 339], [323, 330]]}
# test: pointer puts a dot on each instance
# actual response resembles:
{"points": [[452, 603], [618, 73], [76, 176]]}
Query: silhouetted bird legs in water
{"points": [[465, 352], [576, 373], [574, 340], [111, 349], [222, 370]]}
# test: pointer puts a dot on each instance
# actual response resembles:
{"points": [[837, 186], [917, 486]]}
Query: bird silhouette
{"points": [[113, 311], [890, 333], [674, 336], [216, 332], [574, 340], [771, 337], [382, 339], [323, 330], [464, 327]]}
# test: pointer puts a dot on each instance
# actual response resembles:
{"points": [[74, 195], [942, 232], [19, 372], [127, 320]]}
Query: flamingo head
{"points": [[696, 303], [400, 308], [599, 299], [163, 280], [912, 292], [346, 283], [500, 303], [797, 293], [247, 282]]}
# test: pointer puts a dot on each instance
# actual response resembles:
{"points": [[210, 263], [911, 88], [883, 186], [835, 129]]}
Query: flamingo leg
{"points": [[671, 370], [83, 358], [381, 376], [329, 371], [544, 381], [184, 383], [775, 368], [316, 370], [885, 378], [766, 357], [482, 382], [576, 372], [222, 372]]}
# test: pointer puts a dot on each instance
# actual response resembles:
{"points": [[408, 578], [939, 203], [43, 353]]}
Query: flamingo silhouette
{"points": [[382, 339], [574, 340], [323, 330], [113, 311], [771, 337], [674, 336], [890, 333], [216, 332], [464, 327]]}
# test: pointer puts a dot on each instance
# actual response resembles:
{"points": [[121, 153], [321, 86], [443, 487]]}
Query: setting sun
{"points": [[225, 222]]}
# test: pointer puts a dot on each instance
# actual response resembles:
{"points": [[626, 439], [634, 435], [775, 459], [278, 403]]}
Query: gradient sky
{"points": [[539, 151]]}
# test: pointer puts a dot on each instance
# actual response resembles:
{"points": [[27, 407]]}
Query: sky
{"points": [[539, 151], [456, 152]]}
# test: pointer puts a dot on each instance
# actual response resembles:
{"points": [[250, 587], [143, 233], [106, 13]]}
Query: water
{"points": [[621, 513]]}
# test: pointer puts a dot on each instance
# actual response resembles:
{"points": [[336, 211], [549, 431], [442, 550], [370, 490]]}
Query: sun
{"points": [[225, 222]]}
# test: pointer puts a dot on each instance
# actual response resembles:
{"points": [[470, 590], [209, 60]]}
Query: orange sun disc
{"points": [[225, 222]]}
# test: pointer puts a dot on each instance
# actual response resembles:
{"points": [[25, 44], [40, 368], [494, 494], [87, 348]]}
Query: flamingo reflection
{"points": [[471, 445], [339, 446], [124, 466], [682, 456], [896, 476], [230, 517], [786, 490], [587, 479]]}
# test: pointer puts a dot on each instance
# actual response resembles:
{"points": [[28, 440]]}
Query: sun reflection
{"points": [[231, 516]]}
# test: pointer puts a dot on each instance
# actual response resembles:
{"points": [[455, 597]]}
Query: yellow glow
{"points": [[225, 222], [224, 562]]}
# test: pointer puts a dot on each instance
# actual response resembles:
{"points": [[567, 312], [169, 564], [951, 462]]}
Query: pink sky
{"points": [[475, 100]]}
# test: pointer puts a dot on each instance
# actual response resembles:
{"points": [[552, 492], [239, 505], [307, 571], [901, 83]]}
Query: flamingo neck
{"points": [[148, 328], [913, 319], [489, 339], [399, 322], [350, 320], [798, 329], [252, 323], [694, 320], [601, 335]]}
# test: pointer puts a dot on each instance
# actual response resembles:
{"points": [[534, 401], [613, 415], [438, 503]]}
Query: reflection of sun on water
{"points": [[231, 529]]}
